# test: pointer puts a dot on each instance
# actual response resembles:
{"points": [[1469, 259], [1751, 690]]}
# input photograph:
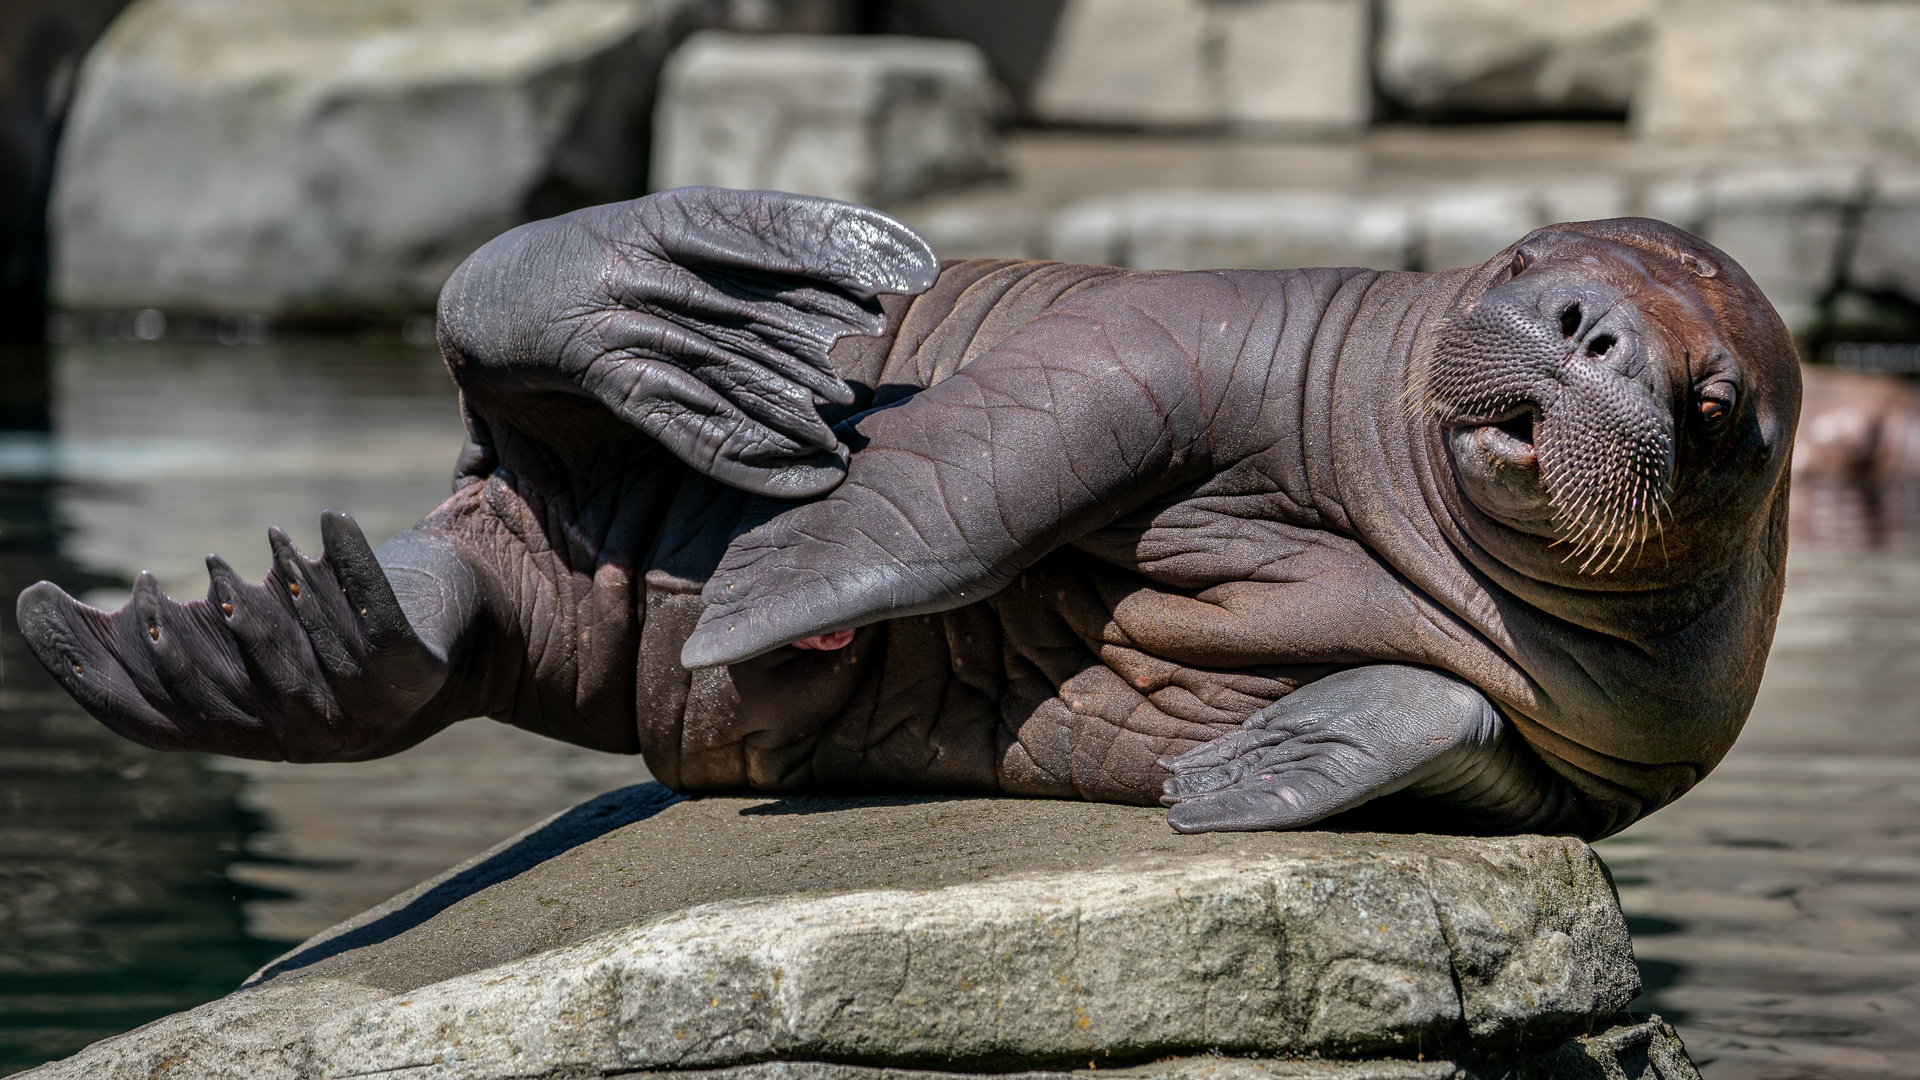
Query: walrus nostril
{"points": [[1600, 344], [1570, 321]]}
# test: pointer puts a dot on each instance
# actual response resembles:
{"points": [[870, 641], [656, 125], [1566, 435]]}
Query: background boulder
{"points": [[1512, 57], [311, 160], [1784, 72], [1261, 65], [867, 119]]}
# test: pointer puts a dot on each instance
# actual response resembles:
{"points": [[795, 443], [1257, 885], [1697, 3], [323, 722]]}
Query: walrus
{"points": [[757, 488]]}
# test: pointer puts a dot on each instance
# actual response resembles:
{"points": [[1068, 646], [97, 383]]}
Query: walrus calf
{"points": [[759, 490]]}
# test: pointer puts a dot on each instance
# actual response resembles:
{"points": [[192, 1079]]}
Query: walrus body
{"points": [[1496, 549]]}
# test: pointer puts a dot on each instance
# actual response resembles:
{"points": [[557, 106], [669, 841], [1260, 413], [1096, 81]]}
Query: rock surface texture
{"points": [[1783, 72], [1512, 57], [288, 158], [829, 939], [1289, 65], [864, 119]]}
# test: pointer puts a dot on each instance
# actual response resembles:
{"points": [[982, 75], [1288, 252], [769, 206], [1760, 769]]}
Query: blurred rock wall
{"points": [[1784, 73], [1259, 65], [317, 160], [1507, 58], [866, 118], [335, 159]]}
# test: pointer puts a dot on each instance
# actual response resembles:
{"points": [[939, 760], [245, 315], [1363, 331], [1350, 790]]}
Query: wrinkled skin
{"points": [[757, 489]]}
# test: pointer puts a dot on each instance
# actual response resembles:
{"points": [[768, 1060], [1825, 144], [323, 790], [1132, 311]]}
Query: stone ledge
{"points": [[1802, 222], [1514, 942], [928, 933]]}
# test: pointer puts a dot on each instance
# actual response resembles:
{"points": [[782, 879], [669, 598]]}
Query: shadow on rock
{"points": [[588, 821], [820, 804]]}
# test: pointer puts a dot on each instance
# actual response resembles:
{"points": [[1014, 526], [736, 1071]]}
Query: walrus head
{"points": [[1598, 381]]}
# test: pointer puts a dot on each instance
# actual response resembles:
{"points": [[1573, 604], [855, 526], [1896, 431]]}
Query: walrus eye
{"points": [[1715, 407], [1519, 264]]}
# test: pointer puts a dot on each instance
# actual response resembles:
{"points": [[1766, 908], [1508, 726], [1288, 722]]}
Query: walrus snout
{"points": [[1551, 388]]}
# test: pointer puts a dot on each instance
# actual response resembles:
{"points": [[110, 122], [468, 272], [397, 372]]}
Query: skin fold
{"points": [[757, 488]]}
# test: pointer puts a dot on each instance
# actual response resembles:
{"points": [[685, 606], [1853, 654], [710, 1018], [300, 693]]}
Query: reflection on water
{"points": [[134, 883], [113, 907], [1844, 515], [1776, 908]]}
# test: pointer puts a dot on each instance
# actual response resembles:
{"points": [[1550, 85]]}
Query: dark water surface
{"points": [[1776, 909], [134, 883]]}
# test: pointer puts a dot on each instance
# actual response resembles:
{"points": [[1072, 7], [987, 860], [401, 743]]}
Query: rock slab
{"points": [[1783, 73], [1267, 65], [1509, 58], [296, 159], [873, 936], [861, 118]]}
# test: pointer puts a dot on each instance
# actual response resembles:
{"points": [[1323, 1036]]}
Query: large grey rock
{"points": [[284, 157], [866, 119], [1269, 65], [1512, 57], [1783, 72], [638, 932]]}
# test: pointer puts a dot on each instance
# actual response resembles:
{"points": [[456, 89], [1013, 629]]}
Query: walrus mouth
{"points": [[1509, 442], [1552, 429]]}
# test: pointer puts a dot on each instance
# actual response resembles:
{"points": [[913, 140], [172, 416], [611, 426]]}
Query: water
{"points": [[1776, 908], [135, 883]]}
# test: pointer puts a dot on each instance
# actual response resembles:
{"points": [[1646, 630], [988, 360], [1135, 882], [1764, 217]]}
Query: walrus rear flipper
{"points": [[703, 317], [317, 663]]}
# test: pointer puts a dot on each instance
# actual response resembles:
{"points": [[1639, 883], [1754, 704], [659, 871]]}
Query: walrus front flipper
{"points": [[317, 663], [1350, 738], [1083, 414], [701, 316]]}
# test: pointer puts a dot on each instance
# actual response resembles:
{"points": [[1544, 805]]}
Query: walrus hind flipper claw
{"points": [[1333, 745], [316, 663]]}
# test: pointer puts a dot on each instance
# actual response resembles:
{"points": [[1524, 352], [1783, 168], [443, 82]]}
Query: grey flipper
{"points": [[1352, 737], [320, 662], [1083, 414], [701, 316]]}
